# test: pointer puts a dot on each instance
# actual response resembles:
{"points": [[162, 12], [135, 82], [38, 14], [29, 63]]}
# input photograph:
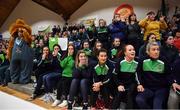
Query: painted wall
{"points": [[172, 4], [35, 15], [105, 8]]}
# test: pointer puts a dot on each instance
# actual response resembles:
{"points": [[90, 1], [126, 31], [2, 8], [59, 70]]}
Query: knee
{"points": [[44, 78], [83, 81], [140, 100], [48, 78]]}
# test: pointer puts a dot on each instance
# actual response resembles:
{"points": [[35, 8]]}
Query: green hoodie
{"points": [[67, 64]]}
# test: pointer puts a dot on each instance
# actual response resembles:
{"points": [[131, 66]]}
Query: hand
{"points": [[140, 88], [43, 56], [162, 18], [55, 53], [121, 88], [96, 89], [147, 17], [175, 86], [123, 19], [97, 84]]}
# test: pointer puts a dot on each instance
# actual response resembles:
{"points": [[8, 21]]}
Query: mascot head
{"points": [[19, 24]]}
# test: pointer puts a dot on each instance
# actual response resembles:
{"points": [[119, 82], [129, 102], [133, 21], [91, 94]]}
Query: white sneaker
{"points": [[48, 99], [53, 96], [43, 97], [63, 104], [56, 102]]}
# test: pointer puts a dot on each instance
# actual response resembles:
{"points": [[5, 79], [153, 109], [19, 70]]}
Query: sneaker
{"points": [[33, 96], [43, 97], [63, 104], [48, 99], [53, 96], [85, 106], [56, 102], [69, 105]]}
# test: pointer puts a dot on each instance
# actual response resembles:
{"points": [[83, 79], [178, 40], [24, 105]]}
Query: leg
{"points": [[15, 70], [174, 100], [39, 84], [2, 73], [66, 86], [160, 98], [106, 95], [51, 81], [45, 82], [73, 91], [59, 89], [130, 96], [84, 84], [142, 97], [7, 76], [94, 96], [117, 100], [26, 71]]}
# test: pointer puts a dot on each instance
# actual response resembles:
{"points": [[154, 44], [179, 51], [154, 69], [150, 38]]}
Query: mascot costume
{"points": [[20, 52]]}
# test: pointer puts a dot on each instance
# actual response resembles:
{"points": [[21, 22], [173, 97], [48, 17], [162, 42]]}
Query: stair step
{"points": [[24, 88]]}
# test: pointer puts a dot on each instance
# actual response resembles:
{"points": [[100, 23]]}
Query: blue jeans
{"points": [[50, 80], [158, 96]]}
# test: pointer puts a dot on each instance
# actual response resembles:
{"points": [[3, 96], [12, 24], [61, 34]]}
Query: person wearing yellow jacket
{"points": [[150, 25]]}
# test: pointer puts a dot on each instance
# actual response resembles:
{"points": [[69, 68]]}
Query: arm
{"points": [[139, 73], [163, 24], [64, 62], [115, 74], [109, 74], [143, 22]]}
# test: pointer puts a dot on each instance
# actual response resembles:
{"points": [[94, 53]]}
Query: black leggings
{"points": [[84, 87], [63, 87], [104, 91], [126, 96]]}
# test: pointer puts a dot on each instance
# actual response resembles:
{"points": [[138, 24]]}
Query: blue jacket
{"points": [[118, 30]]}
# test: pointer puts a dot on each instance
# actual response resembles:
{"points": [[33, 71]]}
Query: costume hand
{"points": [[175, 86], [121, 88], [140, 88]]}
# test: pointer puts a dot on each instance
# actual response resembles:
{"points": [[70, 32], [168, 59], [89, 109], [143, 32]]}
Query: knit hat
{"points": [[20, 23]]}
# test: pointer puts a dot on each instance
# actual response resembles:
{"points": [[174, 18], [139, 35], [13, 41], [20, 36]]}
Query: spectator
{"points": [[64, 83], [151, 25], [152, 73], [102, 74], [134, 32], [81, 79], [118, 28], [124, 77]]}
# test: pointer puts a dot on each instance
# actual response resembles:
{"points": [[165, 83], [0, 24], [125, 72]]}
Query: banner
{"points": [[63, 42]]}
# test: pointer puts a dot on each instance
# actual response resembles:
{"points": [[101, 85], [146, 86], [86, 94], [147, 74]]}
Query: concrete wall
{"points": [[35, 15]]}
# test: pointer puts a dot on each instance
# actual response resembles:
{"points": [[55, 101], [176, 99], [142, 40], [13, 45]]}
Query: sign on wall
{"points": [[124, 10]]}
